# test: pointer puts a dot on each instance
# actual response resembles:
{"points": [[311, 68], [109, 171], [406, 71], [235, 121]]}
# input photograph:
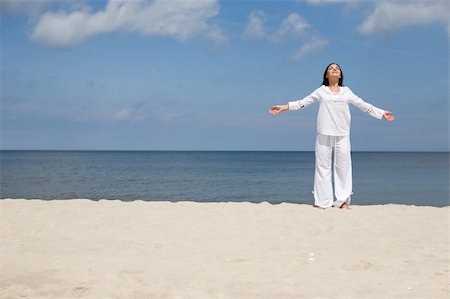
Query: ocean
{"points": [[413, 178]]}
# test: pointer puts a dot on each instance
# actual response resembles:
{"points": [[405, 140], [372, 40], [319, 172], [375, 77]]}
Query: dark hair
{"points": [[325, 79]]}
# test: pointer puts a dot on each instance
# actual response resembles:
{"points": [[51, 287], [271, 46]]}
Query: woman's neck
{"points": [[334, 87], [333, 84]]}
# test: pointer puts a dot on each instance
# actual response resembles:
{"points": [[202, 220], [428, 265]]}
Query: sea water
{"points": [[420, 178]]}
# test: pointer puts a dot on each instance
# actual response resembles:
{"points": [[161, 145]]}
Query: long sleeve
{"points": [[365, 107], [305, 102]]}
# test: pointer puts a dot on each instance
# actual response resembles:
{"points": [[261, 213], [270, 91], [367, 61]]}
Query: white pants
{"points": [[342, 171]]}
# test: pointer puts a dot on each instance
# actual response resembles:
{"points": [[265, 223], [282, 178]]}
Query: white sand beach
{"points": [[112, 249]]}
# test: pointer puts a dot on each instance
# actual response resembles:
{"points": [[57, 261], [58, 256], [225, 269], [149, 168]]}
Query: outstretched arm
{"points": [[296, 105], [369, 108]]}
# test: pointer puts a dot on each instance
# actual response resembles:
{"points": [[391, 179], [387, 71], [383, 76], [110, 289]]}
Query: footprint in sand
{"points": [[362, 266], [79, 291]]}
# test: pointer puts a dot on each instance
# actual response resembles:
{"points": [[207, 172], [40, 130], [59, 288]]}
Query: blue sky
{"points": [[201, 75]]}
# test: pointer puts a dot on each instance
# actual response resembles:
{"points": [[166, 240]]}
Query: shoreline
{"points": [[215, 202], [83, 248]]}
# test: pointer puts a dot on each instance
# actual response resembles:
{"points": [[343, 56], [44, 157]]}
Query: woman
{"points": [[333, 134]]}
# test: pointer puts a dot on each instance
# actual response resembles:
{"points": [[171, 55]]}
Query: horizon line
{"points": [[216, 150]]}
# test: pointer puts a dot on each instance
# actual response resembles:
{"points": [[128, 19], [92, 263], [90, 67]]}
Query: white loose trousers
{"points": [[326, 170]]}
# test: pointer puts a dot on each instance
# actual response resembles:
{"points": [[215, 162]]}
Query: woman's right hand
{"points": [[274, 110], [388, 116]]}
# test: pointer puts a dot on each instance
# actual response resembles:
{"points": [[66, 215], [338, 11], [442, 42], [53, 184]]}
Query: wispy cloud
{"points": [[318, 2], [293, 27], [123, 114], [313, 45], [395, 15], [174, 116], [255, 26], [387, 16], [182, 20], [30, 8]]}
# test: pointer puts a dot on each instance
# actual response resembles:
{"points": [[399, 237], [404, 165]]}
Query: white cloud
{"points": [[390, 16], [318, 2], [123, 114], [215, 34], [293, 26], [173, 116], [179, 19], [255, 26], [24, 7], [130, 114], [315, 44]]}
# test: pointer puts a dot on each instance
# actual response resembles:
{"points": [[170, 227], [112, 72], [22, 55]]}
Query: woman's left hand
{"points": [[388, 116]]}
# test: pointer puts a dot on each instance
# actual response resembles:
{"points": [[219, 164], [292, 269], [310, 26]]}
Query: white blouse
{"points": [[334, 114]]}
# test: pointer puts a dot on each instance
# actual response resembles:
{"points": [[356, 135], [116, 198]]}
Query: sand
{"points": [[113, 249]]}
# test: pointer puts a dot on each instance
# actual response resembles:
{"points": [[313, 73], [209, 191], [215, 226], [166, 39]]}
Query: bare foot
{"points": [[320, 208], [345, 207]]}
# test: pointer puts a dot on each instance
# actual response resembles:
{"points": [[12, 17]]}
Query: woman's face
{"points": [[333, 71]]}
